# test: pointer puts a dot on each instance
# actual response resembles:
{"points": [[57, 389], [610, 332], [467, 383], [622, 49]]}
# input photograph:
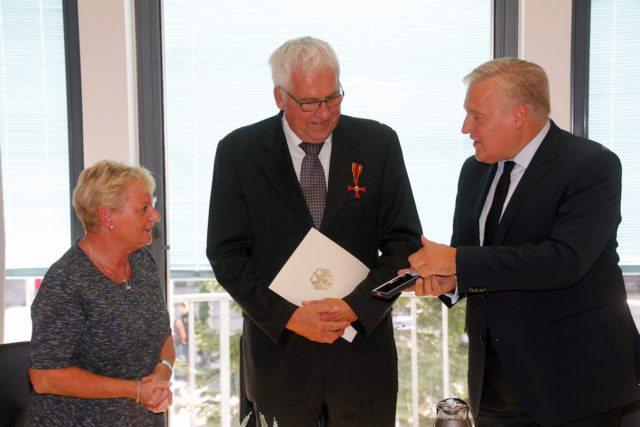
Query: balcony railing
{"points": [[416, 321], [425, 331], [222, 303]]}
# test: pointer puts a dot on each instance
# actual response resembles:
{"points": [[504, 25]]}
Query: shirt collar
{"points": [[523, 158], [293, 140]]}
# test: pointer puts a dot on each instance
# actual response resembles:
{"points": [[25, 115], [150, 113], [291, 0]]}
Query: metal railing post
{"points": [[225, 365], [446, 382], [414, 363], [191, 347]]}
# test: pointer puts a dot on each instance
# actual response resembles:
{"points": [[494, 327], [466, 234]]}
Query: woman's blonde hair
{"points": [[105, 185]]}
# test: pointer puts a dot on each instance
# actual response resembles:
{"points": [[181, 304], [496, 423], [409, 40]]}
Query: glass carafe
{"points": [[452, 412]]}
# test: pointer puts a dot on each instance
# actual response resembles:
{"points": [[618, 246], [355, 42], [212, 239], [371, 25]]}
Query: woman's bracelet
{"points": [[167, 364], [137, 391]]}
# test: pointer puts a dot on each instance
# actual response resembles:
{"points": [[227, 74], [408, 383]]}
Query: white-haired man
{"points": [[296, 369]]}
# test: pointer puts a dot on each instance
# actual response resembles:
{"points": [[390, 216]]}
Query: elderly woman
{"points": [[101, 349]]}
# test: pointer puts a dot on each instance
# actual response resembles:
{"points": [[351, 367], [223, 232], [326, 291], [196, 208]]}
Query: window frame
{"points": [[74, 106], [151, 132], [580, 39], [505, 29]]}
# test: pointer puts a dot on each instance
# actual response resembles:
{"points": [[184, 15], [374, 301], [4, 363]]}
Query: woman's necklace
{"points": [[124, 281]]}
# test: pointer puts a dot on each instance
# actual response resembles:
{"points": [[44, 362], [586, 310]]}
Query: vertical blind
{"points": [[33, 133], [614, 93], [402, 64]]}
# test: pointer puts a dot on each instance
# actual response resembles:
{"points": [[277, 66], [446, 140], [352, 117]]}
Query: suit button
{"points": [[482, 341]]}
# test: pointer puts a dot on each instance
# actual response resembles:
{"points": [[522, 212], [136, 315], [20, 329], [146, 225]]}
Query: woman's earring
{"points": [[111, 227]]}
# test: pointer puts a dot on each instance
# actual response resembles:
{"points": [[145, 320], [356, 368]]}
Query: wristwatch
{"points": [[166, 363]]}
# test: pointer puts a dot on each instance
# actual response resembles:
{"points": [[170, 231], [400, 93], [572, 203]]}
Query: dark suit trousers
{"points": [[320, 406], [499, 406]]}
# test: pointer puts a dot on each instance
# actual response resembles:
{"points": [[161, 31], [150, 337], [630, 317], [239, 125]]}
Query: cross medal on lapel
{"points": [[356, 170]]}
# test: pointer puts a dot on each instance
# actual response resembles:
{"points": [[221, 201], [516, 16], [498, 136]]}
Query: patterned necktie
{"points": [[314, 186], [493, 217]]}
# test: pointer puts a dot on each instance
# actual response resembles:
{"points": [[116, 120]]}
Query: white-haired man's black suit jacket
{"points": [[258, 216], [550, 289]]}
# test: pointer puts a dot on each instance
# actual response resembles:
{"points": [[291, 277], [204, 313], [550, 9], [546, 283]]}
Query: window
{"points": [[613, 93], [614, 90], [402, 63], [217, 79], [34, 150]]}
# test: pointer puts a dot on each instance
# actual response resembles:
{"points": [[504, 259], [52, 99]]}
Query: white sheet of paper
{"points": [[319, 268]]}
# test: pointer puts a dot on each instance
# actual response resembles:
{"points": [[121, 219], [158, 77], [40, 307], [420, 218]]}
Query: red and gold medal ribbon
{"points": [[356, 170]]}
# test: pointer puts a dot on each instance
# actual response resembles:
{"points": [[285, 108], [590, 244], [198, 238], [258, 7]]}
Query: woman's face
{"points": [[134, 221]]}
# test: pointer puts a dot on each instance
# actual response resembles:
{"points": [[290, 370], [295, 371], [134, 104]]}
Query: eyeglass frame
{"points": [[319, 102]]}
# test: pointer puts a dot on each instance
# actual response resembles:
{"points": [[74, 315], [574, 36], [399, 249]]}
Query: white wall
{"points": [[108, 83], [545, 38]]}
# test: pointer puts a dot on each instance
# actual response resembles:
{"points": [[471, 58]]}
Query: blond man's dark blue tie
{"points": [[495, 212]]}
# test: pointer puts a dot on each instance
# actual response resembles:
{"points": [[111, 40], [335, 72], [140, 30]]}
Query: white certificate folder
{"points": [[319, 268]]}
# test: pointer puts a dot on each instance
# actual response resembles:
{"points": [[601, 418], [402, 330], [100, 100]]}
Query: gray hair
{"points": [[304, 54], [526, 82]]}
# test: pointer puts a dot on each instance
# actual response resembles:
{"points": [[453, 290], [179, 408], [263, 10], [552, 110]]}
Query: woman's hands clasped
{"points": [[155, 393]]}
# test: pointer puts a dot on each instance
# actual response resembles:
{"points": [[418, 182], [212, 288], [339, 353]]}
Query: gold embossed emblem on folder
{"points": [[321, 279]]}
